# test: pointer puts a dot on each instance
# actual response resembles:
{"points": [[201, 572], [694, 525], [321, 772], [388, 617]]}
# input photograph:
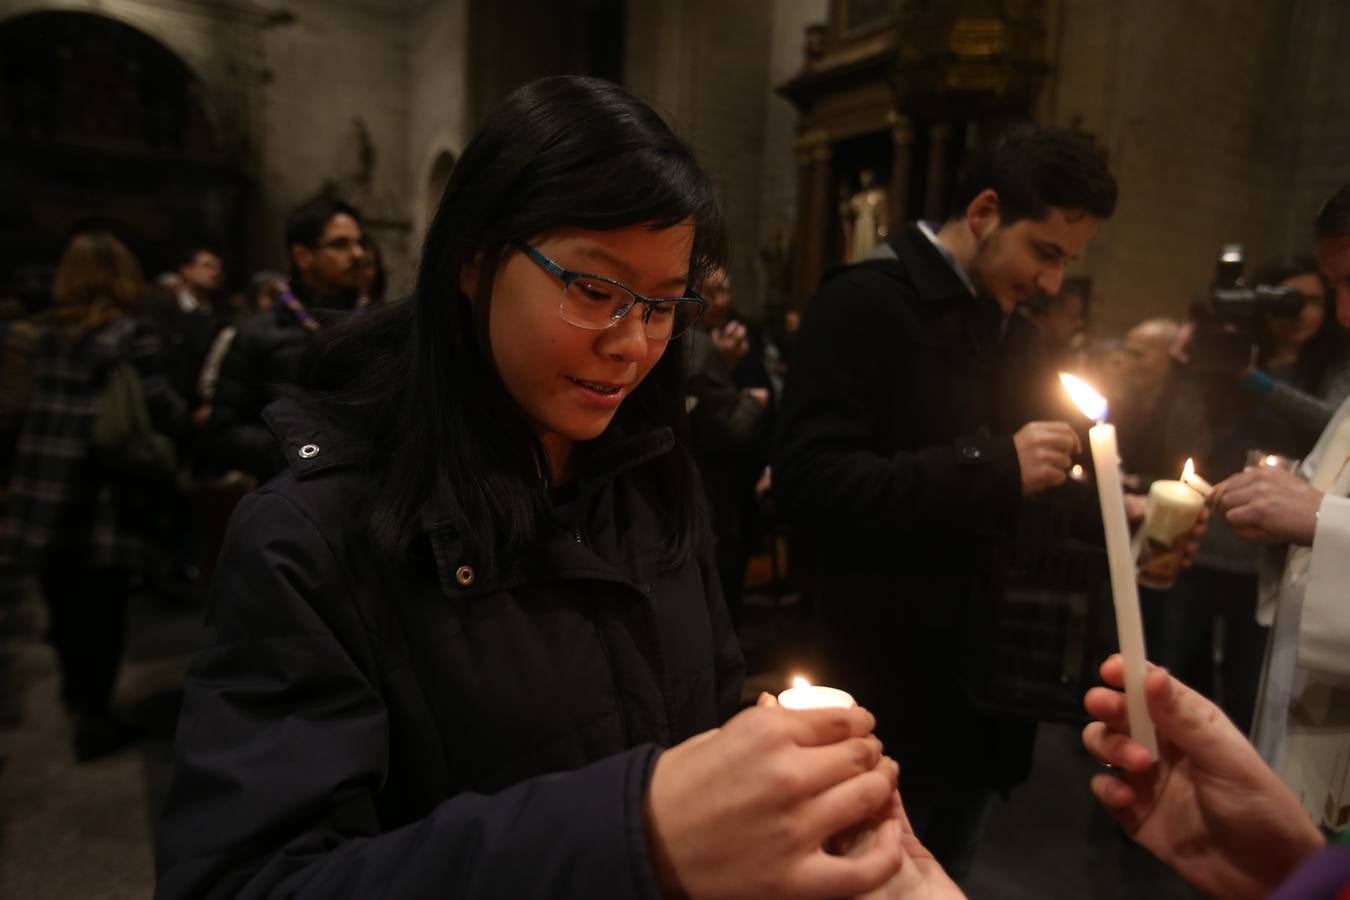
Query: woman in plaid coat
{"points": [[74, 523]]}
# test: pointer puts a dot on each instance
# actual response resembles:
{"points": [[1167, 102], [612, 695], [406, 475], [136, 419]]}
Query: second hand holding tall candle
{"points": [[1124, 591]]}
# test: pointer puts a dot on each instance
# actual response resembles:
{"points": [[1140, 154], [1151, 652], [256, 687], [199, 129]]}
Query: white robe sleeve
{"points": [[1324, 632]]}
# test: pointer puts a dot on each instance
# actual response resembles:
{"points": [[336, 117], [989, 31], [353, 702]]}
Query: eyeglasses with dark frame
{"points": [[595, 302], [344, 245]]}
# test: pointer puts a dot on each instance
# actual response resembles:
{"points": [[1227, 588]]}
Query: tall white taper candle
{"points": [[1129, 625]]}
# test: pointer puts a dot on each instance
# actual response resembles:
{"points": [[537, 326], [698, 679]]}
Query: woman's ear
{"points": [[982, 215]]}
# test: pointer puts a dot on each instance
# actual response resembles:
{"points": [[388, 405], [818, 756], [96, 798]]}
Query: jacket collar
{"points": [[604, 459], [310, 442], [608, 457], [313, 444], [933, 276]]}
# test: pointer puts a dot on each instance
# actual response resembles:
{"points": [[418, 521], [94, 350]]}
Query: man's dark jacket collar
{"points": [[931, 273]]}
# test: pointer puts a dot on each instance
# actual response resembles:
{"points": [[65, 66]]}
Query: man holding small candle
{"points": [[907, 440], [1303, 709]]}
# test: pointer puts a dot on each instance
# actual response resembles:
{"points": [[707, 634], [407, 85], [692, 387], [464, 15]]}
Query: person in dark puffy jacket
{"points": [[446, 647], [326, 247]]}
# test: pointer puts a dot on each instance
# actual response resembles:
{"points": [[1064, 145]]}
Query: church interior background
{"points": [[158, 119], [1223, 123]]}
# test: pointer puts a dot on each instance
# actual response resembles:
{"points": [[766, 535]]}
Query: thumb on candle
{"points": [[1183, 717]]}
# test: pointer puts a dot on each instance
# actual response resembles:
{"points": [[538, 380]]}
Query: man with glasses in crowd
{"points": [[912, 425], [326, 248]]}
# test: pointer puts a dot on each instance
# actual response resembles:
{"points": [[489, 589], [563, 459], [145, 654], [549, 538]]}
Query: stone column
{"points": [[814, 216], [935, 187], [902, 150]]}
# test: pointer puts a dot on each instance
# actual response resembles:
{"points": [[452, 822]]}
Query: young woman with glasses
{"points": [[445, 650]]}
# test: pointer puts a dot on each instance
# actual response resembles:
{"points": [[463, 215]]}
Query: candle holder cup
{"points": [[1256, 458]]}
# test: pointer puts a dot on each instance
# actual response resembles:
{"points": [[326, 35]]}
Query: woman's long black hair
{"points": [[416, 380]]}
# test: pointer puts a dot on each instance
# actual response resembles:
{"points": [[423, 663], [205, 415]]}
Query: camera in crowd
{"points": [[1226, 317]]}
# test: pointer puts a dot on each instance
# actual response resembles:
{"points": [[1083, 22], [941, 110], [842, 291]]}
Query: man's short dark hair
{"points": [[306, 224], [1333, 220], [1036, 168], [187, 253]]}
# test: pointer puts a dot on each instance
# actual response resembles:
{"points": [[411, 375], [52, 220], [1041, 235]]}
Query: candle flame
{"points": [[1084, 397], [1188, 471], [800, 682], [1272, 460]]}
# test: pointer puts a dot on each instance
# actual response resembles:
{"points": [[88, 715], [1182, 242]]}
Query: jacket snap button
{"points": [[309, 451], [464, 575]]}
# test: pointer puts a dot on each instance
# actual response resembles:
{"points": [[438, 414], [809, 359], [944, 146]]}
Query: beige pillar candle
{"points": [[1160, 543]]}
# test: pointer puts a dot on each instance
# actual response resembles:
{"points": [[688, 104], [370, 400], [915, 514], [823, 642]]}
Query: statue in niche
{"points": [[865, 217]]}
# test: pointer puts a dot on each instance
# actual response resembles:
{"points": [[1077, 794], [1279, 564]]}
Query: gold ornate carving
{"points": [[812, 145], [902, 129], [977, 38]]}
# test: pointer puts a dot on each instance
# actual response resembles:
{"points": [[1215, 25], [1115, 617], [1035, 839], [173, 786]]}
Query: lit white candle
{"points": [[1129, 625], [805, 695], [1194, 481]]}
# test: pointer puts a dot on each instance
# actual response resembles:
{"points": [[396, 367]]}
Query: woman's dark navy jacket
{"points": [[354, 729]]}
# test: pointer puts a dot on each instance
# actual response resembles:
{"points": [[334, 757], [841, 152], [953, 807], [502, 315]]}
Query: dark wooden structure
{"points": [[101, 126], [905, 88]]}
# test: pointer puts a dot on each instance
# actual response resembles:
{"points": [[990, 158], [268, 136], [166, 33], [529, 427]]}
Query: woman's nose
{"points": [[627, 339]]}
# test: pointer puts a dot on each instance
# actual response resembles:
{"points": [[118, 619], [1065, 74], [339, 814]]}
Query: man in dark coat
{"points": [[327, 251], [906, 442], [186, 315]]}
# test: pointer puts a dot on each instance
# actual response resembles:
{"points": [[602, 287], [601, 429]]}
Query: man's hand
{"points": [[731, 341], [1268, 504], [1209, 807], [759, 394], [1043, 450]]}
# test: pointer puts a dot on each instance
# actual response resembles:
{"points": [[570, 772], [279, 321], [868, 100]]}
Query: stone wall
{"points": [[337, 110], [304, 94], [711, 67], [437, 126], [1223, 122]]}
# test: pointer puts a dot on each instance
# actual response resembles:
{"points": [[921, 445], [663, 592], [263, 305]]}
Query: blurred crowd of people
{"points": [[88, 507]]}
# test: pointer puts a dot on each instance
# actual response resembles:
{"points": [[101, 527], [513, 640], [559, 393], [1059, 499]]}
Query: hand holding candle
{"points": [[754, 801], [1129, 626], [1043, 454], [1174, 507]]}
